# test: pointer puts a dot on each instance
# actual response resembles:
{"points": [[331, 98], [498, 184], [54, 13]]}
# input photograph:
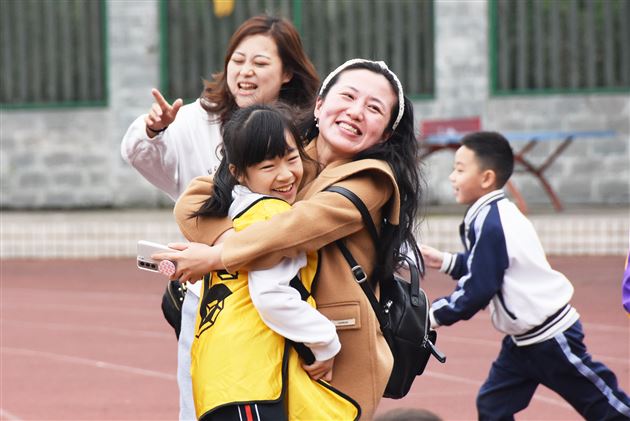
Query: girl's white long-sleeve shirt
{"points": [[188, 148], [280, 305]]}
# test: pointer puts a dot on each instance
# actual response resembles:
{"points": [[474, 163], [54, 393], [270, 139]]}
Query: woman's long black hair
{"points": [[253, 134], [401, 152]]}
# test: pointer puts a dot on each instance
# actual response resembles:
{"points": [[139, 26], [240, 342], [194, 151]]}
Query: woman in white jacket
{"points": [[174, 143]]}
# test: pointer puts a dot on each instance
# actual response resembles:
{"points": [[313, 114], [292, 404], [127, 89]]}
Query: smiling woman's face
{"points": [[254, 72], [354, 114]]}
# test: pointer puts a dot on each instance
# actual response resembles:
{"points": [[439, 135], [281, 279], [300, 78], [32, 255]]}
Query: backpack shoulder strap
{"points": [[357, 271], [358, 203]]}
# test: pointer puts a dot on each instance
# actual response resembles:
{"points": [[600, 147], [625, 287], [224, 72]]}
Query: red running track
{"points": [[85, 340]]}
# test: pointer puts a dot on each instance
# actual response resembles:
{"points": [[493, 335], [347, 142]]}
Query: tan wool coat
{"points": [[315, 222]]}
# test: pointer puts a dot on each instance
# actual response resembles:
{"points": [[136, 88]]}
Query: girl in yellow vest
{"points": [[261, 349]]}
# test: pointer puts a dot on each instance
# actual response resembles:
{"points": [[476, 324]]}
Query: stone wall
{"points": [[592, 171], [70, 158]]}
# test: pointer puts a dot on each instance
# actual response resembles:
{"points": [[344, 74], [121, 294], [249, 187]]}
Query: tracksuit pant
{"points": [[562, 364]]}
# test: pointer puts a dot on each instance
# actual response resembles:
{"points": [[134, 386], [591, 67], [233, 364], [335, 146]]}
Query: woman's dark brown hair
{"points": [[299, 92]]}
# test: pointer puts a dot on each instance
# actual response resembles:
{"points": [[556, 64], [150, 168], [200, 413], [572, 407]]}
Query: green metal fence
{"points": [[399, 32], [551, 46], [52, 53]]}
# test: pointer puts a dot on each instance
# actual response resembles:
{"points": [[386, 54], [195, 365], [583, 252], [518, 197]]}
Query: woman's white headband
{"points": [[382, 65]]}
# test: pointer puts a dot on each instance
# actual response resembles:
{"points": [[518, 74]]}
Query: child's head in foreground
{"points": [[483, 163], [263, 151]]}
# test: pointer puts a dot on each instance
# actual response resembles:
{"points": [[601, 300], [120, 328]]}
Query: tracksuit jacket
{"points": [[504, 267]]}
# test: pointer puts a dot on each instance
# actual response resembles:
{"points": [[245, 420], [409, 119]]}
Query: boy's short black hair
{"points": [[493, 152]]}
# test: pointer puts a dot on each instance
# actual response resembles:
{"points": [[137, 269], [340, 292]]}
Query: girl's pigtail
{"points": [[219, 202]]}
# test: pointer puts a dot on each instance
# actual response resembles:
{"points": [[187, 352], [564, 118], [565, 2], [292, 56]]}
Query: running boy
{"points": [[504, 267]]}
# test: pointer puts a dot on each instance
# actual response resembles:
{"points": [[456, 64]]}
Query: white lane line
{"points": [[457, 379], [6, 415], [75, 327], [89, 362]]}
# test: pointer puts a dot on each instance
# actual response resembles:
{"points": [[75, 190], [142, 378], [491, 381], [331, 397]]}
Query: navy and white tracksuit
{"points": [[504, 267]]}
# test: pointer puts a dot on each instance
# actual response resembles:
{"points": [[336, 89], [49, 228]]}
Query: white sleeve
{"points": [[284, 312], [448, 261], [156, 159]]}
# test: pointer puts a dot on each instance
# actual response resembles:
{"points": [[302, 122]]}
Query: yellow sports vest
{"points": [[237, 359]]}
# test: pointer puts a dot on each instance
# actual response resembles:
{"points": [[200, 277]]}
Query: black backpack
{"points": [[172, 301], [403, 311]]}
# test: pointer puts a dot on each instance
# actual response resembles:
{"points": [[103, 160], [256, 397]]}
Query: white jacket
{"points": [[170, 160]]}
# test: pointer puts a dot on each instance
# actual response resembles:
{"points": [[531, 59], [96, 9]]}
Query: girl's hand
{"points": [[161, 113], [320, 369], [432, 257], [193, 260]]}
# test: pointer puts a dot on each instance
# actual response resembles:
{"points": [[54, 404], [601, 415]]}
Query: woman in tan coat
{"points": [[361, 138]]}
